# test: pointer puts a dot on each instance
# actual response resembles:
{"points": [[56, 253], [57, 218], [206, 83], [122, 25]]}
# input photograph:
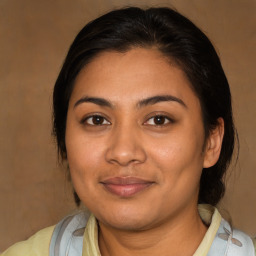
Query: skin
{"points": [[126, 140]]}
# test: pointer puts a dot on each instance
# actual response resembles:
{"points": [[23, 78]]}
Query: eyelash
{"points": [[89, 120], [93, 118], [166, 120]]}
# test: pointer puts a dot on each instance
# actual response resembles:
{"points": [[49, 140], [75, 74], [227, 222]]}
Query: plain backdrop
{"points": [[34, 39]]}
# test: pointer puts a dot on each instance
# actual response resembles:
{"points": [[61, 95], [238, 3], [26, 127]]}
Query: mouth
{"points": [[125, 186]]}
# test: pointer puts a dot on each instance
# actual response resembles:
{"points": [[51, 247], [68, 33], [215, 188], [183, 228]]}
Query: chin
{"points": [[127, 218], [127, 224]]}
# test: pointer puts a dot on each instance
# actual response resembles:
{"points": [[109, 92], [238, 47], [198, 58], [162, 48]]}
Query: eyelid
{"points": [[91, 115], [159, 114]]}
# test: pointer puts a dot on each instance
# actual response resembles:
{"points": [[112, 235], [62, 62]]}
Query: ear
{"points": [[213, 145]]}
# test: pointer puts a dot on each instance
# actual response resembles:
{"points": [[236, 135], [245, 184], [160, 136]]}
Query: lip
{"points": [[126, 186]]}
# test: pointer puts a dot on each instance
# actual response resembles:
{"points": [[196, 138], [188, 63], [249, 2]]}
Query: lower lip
{"points": [[126, 190]]}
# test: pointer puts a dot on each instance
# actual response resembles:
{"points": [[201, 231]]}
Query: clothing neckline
{"points": [[209, 215]]}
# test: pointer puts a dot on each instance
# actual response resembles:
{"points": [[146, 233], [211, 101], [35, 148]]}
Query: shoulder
{"points": [[221, 238], [36, 245], [254, 243], [240, 242]]}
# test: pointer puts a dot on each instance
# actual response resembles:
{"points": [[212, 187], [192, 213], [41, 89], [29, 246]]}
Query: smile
{"points": [[125, 186]]}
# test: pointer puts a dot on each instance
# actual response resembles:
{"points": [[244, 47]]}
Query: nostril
{"points": [[125, 155]]}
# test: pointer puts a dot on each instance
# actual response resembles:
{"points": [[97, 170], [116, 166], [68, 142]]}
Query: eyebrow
{"points": [[95, 100], [160, 98], [142, 103]]}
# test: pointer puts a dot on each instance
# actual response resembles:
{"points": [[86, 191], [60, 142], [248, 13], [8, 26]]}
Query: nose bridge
{"points": [[125, 145]]}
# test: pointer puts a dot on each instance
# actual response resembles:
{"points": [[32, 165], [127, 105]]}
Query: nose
{"points": [[125, 147]]}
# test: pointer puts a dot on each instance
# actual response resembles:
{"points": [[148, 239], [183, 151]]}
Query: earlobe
{"points": [[214, 144]]}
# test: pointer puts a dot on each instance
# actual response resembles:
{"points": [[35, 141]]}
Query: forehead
{"points": [[133, 75]]}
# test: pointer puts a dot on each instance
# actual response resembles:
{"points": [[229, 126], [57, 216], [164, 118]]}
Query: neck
{"points": [[178, 236]]}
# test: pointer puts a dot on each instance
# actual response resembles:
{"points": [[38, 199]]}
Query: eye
{"points": [[95, 120], [158, 120]]}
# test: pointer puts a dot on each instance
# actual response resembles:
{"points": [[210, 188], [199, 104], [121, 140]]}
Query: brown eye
{"points": [[96, 120], [158, 120]]}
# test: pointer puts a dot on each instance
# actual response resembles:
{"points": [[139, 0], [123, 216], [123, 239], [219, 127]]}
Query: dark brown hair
{"points": [[178, 39]]}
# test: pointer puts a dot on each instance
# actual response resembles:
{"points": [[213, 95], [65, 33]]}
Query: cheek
{"points": [[176, 150], [84, 156], [84, 163], [179, 158]]}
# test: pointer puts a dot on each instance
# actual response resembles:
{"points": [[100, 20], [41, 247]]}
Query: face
{"points": [[134, 139]]}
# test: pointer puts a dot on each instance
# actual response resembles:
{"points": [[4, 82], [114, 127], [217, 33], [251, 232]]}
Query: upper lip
{"points": [[126, 180]]}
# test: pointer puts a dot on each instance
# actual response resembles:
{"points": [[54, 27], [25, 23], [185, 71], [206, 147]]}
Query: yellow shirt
{"points": [[38, 244]]}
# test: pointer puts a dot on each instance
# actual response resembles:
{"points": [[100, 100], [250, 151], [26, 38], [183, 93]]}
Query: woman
{"points": [[143, 116]]}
